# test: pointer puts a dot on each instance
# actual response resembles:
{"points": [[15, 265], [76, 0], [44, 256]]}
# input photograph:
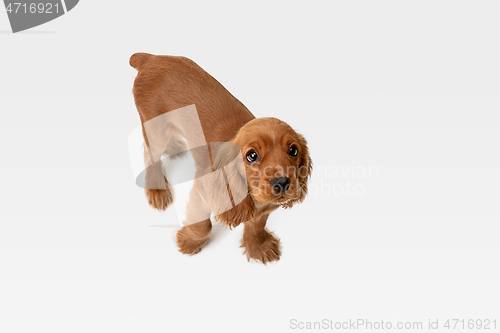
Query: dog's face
{"points": [[276, 160]]}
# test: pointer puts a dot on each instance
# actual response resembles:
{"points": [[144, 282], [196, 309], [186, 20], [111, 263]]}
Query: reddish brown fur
{"points": [[166, 83]]}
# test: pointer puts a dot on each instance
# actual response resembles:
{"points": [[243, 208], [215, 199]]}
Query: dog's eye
{"points": [[252, 156], [293, 151]]}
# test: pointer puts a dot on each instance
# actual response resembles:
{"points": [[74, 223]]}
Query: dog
{"points": [[271, 165]]}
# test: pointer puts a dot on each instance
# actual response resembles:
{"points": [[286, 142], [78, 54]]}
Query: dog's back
{"points": [[166, 83]]}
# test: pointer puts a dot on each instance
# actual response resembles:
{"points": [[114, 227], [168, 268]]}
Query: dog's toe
{"points": [[266, 251], [159, 199]]}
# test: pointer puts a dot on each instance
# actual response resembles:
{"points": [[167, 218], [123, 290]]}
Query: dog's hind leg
{"points": [[157, 190], [165, 140]]}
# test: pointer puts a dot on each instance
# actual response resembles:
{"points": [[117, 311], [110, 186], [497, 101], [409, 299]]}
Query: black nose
{"points": [[280, 184]]}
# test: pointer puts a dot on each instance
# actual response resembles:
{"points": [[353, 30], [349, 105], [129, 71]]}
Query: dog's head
{"points": [[276, 166], [277, 161]]}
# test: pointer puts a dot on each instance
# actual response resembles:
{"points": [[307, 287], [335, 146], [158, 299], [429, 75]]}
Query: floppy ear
{"points": [[227, 186], [304, 171]]}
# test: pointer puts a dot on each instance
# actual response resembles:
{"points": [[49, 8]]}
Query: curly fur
{"points": [[237, 191]]}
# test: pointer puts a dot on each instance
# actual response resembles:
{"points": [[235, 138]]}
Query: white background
{"points": [[411, 88]]}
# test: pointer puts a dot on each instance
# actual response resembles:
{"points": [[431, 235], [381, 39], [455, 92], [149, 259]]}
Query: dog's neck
{"points": [[264, 208]]}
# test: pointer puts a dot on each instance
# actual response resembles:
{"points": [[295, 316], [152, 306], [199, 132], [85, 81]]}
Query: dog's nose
{"points": [[280, 184]]}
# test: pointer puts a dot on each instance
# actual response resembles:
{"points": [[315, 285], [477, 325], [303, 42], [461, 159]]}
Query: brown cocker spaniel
{"points": [[271, 159]]}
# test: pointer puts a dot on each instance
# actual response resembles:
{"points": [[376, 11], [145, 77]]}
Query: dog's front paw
{"points": [[187, 243], [265, 248], [159, 199]]}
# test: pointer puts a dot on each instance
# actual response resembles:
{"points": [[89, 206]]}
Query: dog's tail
{"points": [[138, 60]]}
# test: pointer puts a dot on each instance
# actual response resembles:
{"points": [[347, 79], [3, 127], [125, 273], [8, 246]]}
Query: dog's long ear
{"points": [[304, 171], [305, 167], [228, 187]]}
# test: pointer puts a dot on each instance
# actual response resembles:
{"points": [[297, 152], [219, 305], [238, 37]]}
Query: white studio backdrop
{"points": [[399, 102]]}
